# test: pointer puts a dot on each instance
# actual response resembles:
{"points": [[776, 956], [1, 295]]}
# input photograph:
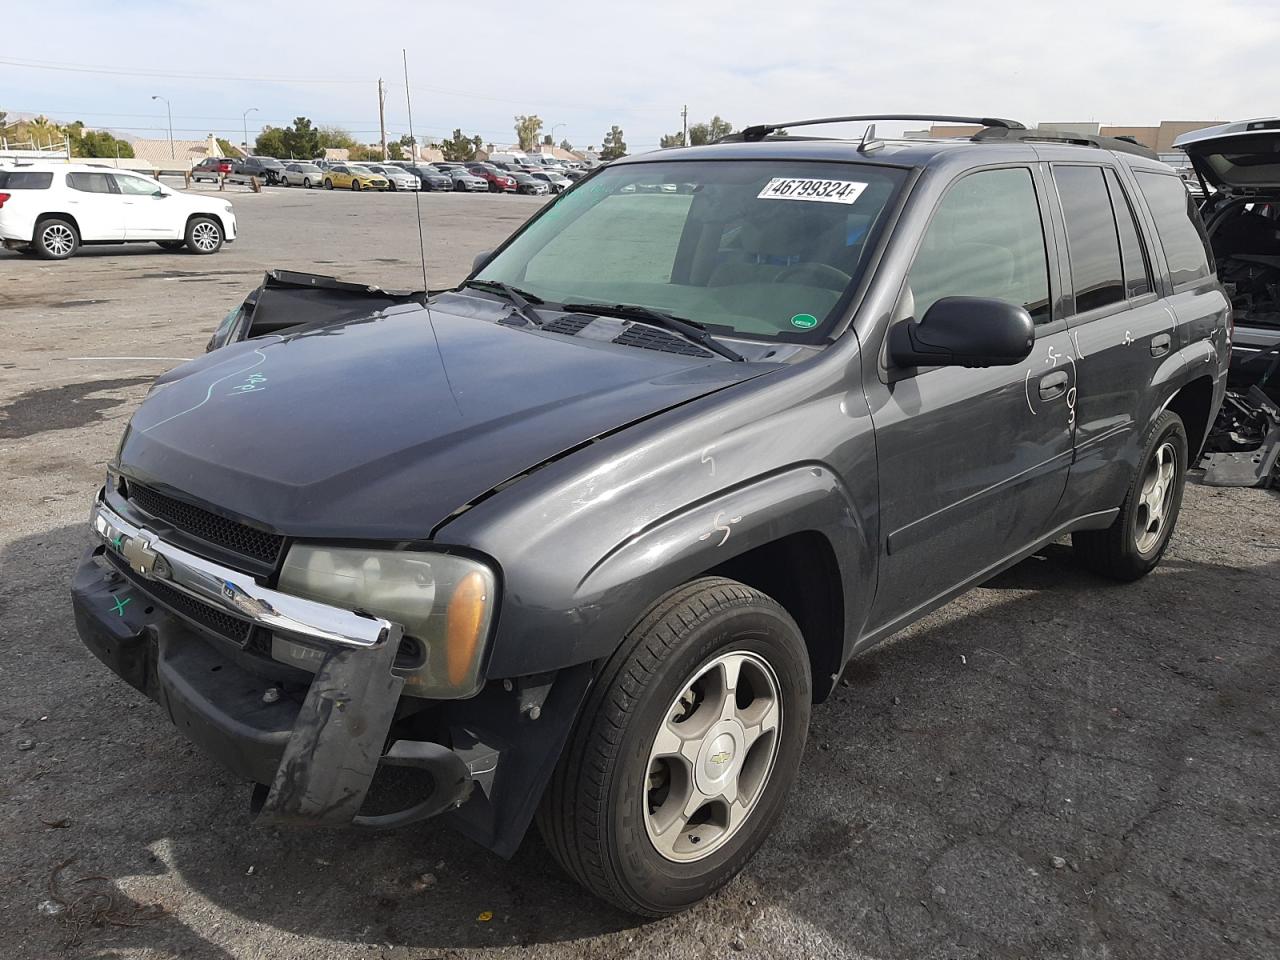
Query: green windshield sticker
{"points": [[805, 321]]}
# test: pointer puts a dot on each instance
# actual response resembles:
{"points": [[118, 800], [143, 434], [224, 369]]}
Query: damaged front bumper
{"points": [[317, 746]]}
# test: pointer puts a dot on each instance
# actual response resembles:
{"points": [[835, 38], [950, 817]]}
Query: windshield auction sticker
{"points": [[824, 191]]}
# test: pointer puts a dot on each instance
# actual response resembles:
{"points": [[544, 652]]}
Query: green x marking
{"points": [[120, 604], [119, 539]]}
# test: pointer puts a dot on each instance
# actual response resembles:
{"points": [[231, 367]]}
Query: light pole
{"points": [[169, 110], [553, 131], [244, 119]]}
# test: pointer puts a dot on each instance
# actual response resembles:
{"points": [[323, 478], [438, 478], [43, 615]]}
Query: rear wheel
{"points": [[55, 239], [355, 185], [328, 184], [1133, 545], [680, 763], [204, 235]]}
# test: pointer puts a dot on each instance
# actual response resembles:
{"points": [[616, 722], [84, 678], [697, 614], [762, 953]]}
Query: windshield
{"points": [[363, 171], [761, 248]]}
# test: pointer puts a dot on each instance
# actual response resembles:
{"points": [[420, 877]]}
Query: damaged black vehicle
{"points": [[583, 539], [1238, 165]]}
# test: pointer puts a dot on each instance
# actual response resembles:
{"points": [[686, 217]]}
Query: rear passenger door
{"points": [[94, 201], [1120, 327], [972, 462]]}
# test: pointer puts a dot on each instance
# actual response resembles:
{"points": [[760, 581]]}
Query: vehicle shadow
{"points": [[1129, 731], [139, 249]]}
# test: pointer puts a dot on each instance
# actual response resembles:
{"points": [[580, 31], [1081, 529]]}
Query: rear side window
{"points": [[1137, 273], [25, 180], [1181, 233], [89, 182], [986, 239], [1092, 243]]}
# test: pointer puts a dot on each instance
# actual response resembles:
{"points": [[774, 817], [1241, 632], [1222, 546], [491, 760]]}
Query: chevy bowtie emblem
{"points": [[141, 557], [719, 758]]}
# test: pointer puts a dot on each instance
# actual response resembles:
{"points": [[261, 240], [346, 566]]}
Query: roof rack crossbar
{"points": [[760, 131]]}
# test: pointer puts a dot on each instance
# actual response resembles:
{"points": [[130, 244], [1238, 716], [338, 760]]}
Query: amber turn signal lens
{"points": [[463, 621]]}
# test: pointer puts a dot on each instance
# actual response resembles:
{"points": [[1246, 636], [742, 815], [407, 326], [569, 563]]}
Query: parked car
{"points": [[211, 169], [464, 180], [554, 180], [753, 430], [267, 169], [52, 209], [354, 177], [498, 180], [397, 177], [527, 183], [302, 174], [431, 178]]}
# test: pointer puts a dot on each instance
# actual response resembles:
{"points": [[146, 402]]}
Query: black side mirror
{"points": [[964, 332], [480, 260]]}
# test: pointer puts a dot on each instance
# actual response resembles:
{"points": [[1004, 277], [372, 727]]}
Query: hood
{"points": [[1242, 157], [383, 426]]}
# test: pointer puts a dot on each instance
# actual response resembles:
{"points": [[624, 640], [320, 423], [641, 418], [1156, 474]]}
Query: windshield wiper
{"points": [[657, 318], [519, 299]]}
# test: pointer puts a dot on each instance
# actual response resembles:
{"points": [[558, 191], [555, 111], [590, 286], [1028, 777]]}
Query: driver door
{"points": [[149, 212], [972, 462]]}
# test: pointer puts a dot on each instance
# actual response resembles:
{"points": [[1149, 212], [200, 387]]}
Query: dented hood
{"points": [[381, 427]]}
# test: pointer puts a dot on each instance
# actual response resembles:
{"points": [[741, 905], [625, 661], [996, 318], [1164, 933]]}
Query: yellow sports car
{"points": [[353, 176]]}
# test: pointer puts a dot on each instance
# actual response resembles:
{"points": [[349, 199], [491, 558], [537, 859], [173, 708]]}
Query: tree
{"points": [[460, 148], [527, 130], [302, 140], [699, 133], [408, 147], [96, 143], [225, 147], [614, 146], [271, 143], [335, 138], [566, 145], [394, 152], [547, 141]]}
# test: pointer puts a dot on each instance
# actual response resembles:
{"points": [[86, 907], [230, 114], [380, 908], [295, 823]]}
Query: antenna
{"points": [[417, 194], [422, 246]]}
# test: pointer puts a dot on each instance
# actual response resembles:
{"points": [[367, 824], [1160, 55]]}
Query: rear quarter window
{"points": [[1181, 233], [25, 180]]}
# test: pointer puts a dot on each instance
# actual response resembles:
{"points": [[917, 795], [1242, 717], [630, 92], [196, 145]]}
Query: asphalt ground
{"points": [[1130, 732]]}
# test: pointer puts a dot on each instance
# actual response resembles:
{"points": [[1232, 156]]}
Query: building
{"points": [[182, 155]]}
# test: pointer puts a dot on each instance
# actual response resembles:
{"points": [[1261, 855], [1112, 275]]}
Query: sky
{"points": [[584, 66]]}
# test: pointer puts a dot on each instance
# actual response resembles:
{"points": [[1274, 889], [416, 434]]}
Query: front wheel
{"points": [[306, 183], [680, 762], [1133, 545], [204, 235]]}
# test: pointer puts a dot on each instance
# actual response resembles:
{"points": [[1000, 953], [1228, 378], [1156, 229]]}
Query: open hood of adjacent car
{"points": [[1242, 157], [382, 426]]}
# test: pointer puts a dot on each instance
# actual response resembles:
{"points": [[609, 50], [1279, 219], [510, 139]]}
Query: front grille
{"points": [[231, 535], [650, 339], [203, 615]]}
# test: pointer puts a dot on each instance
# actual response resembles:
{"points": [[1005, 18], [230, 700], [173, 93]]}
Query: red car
{"points": [[499, 181], [211, 168]]}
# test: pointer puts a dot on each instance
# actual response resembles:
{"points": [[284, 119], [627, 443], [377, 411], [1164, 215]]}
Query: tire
{"points": [[204, 235], [306, 183], [328, 183], [610, 816], [171, 244], [355, 185], [1132, 546], [55, 239]]}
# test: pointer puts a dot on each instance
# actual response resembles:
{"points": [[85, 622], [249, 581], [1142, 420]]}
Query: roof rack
{"points": [[760, 131], [1118, 144]]}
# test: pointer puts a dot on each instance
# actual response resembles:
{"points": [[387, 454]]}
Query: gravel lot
{"points": [[1129, 731]]}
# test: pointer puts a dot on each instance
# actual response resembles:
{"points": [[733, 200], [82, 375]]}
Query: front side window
{"points": [[1181, 233], [1092, 241], [986, 239], [90, 182], [760, 248], [136, 186]]}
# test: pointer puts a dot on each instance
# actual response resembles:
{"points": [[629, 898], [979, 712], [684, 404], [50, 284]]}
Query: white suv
{"points": [[50, 209]]}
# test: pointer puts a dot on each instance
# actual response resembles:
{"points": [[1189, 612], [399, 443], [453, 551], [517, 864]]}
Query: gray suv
{"points": [[584, 539]]}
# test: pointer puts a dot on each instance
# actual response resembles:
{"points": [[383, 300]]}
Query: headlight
{"points": [[444, 602]]}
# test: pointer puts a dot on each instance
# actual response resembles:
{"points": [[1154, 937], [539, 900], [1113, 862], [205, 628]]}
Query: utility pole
{"points": [[382, 118], [684, 134], [169, 111]]}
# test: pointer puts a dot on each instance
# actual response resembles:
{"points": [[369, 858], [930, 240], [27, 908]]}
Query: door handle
{"points": [[1053, 385], [1160, 344]]}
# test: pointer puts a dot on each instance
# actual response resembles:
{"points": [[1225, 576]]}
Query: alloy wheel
{"points": [[1155, 497], [205, 236], [712, 756], [58, 239]]}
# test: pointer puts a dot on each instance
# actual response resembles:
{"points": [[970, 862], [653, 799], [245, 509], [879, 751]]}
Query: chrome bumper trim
{"points": [[237, 593]]}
